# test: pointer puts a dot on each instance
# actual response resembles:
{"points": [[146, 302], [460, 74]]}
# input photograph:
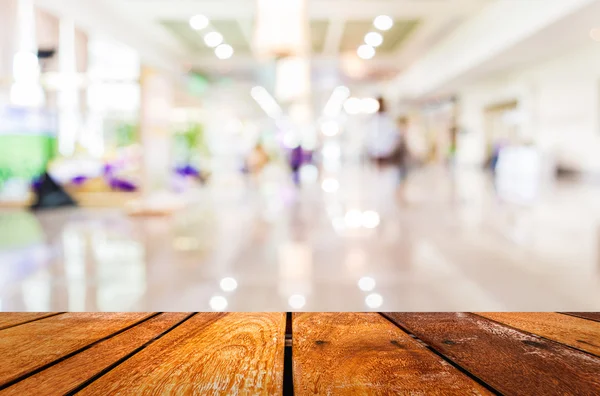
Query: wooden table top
{"points": [[300, 353]]}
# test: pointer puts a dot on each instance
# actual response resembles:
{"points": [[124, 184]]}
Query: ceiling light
{"points": [[330, 128], [331, 151], [366, 283], [26, 67], [309, 173], [212, 39], [374, 39], [353, 105], [218, 303], [291, 140], [370, 219], [297, 301], [228, 284], [292, 78], [353, 218], [369, 105], [198, 22], [281, 28], [374, 300], [365, 51], [266, 101], [383, 22], [336, 101], [224, 51], [330, 185]]}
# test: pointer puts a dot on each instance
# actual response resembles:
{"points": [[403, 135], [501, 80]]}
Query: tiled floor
{"points": [[447, 241]]}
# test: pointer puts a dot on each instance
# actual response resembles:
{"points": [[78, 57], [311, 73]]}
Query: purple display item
{"points": [[296, 157], [37, 182], [79, 180], [122, 185], [108, 169], [308, 157], [187, 170]]}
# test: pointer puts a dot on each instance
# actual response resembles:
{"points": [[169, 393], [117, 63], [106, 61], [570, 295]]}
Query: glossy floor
{"points": [[351, 241]]}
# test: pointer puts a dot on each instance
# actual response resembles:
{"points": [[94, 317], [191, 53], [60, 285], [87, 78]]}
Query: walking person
{"points": [[296, 161], [401, 158], [382, 136], [401, 153]]}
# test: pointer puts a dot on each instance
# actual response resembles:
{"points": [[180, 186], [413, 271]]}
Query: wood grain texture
{"points": [[209, 354], [511, 361], [67, 375], [30, 346], [365, 354], [578, 333], [9, 319], [595, 316]]}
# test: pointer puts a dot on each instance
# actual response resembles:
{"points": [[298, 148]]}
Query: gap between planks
{"points": [[128, 356], [442, 356], [73, 353], [35, 319], [548, 338]]}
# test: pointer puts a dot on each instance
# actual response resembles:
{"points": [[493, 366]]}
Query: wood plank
{"points": [[209, 354], [10, 319], [511, 361], [364, 354], [71, 373], [595, 316], [33, 345], [578, 333]]}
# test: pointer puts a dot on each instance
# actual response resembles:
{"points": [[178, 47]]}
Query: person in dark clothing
{"points": [[296, 160], [401, 154]]}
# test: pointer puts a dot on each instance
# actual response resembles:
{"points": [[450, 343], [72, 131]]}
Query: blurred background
{"points": [[299, 155]]}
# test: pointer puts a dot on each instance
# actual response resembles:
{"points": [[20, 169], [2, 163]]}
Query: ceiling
{"points": [[353, 33], [337, 27], [159, 30]]}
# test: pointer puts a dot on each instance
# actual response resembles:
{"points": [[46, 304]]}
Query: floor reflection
{"points": [[348, 240]]}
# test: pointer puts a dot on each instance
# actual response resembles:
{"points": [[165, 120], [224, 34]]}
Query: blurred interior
{"points": [[333, 155]]}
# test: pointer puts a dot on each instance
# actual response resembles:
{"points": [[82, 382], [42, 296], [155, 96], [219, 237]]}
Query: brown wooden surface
{"points": [[578, 333], [67, 375], [9, 319], [364, 354], [586, 315], [333, 353], [511, 361], [209, 354], [29, 346]]}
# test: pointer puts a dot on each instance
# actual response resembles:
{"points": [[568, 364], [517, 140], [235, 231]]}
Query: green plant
{"points": [[192, 141], [126, 134]]}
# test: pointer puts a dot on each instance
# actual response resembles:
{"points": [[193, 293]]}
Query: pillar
{"points": [[155, 118]]}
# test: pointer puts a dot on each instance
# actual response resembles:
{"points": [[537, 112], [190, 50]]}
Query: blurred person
{"points": [[401, 155], [401, 158], [257, 160], [383, 136], [296, 160], [452, 149], [497, 148]]}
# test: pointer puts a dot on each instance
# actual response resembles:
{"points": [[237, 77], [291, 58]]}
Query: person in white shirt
{"points": [[382, 137]]}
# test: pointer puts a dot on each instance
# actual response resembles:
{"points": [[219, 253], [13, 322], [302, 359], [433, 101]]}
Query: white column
{"points": [[8, 46], [25, 89], [155, 118], [68, 95]]}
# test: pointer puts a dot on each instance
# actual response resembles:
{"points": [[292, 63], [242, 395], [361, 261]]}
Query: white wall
{"points": [[496, 28], [560, 103]]}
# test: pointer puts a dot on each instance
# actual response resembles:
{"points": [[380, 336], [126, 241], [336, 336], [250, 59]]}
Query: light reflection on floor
{"points": [[350, 241]]}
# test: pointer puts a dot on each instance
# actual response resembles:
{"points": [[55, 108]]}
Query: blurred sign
{"points": [[27, 143], [24, 121]]}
